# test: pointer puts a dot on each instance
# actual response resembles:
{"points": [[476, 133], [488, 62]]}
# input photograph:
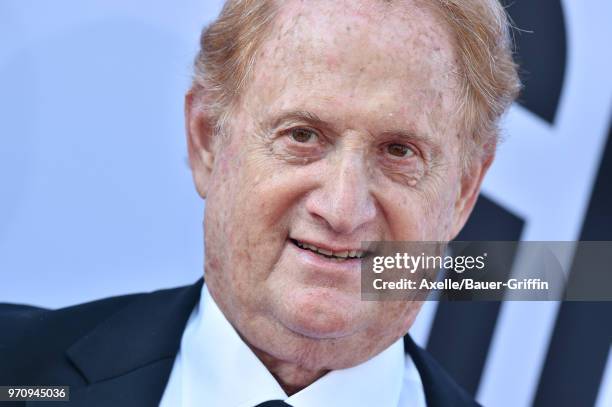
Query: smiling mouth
{"points": [[331, 255]]}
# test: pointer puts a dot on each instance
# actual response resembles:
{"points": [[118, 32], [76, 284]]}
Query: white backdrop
{"points": [[96, 194], [96, 197]]}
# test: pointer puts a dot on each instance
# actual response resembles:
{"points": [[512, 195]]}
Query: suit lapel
{"points": [[127, 359], [440, 389]]}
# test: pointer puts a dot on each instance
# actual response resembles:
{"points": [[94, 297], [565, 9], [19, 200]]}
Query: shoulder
{"points": [[19, 321], [32, 337], [95, 341], [35, 343]]}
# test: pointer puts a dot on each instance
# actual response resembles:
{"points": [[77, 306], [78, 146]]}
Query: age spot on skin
{"points": [[332, 62]]}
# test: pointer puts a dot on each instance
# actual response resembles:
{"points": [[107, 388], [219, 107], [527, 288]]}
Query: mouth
{"points": [[338, 256]]}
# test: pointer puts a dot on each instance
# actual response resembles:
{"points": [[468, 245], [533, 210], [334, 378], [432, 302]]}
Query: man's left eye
{"points": [[400, 150], [303, 135]]}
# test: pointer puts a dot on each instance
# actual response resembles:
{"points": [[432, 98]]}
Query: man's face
{"points": [[346, 133]]}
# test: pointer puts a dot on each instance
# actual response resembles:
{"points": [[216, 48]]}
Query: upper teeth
{"points": [[342, 254]]}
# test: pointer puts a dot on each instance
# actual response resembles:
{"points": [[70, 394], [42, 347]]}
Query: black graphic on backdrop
{"points": [[471, 324], [541, 53], [582, 335]]}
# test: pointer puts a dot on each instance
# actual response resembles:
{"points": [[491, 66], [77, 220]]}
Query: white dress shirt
{"points": [[214, 367]]}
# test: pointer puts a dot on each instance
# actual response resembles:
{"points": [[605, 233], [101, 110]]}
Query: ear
{"points": [[200, 146], [471, 180]]}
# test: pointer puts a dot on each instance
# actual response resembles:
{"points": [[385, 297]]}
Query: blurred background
{"points": [[96, 197]]}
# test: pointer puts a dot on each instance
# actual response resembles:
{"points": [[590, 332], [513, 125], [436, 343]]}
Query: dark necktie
{"points": [[273, 403]]}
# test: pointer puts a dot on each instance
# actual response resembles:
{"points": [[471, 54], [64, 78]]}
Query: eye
{"points": [[400, 150], [303, 136]]}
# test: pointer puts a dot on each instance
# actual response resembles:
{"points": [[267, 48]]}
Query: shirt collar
{"points": [[216, 362]]}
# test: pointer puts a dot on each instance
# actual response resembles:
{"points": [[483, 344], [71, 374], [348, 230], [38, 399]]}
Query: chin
{"points": [[322, 313]]}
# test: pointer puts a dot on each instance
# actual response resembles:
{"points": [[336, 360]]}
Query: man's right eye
{"points": [[303, 135]]}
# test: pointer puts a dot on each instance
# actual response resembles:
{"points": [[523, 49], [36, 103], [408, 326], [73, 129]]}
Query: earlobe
{"points": [[199, 131], [468, 193]]}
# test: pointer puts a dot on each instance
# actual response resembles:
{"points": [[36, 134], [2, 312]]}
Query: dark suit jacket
{"points": [[119, 351]]}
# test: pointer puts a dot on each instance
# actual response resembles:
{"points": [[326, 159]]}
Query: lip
{"points": [[331, 247], [322, 264]]}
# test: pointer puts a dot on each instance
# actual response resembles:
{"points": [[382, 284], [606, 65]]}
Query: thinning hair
{"points": [[481, 30]]}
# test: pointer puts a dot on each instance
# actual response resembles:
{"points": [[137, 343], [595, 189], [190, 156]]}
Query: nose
{"points": [[343, 200]]}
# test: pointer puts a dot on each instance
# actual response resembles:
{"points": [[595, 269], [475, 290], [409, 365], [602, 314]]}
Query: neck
{"points": [[291, 376]]}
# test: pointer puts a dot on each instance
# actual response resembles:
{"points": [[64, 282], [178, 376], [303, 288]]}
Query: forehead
{"points": [[391, 56], [394, 25]]}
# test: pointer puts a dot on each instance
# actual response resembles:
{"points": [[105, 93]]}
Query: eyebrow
{"points": [[296, 116]]}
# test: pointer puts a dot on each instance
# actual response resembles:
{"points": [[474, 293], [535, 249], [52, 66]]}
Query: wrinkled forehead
{"points": [[365, 32], [381, 50], [392, 20]]}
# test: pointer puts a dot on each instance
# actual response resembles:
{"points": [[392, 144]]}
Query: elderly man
{"points": [[312, 126]]}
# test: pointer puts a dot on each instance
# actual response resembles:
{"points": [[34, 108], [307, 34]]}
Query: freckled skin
{"points": [[367, 70]]}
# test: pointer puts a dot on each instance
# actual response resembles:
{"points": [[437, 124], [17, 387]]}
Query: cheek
{"points": [[419, 214], [249, 211]]}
